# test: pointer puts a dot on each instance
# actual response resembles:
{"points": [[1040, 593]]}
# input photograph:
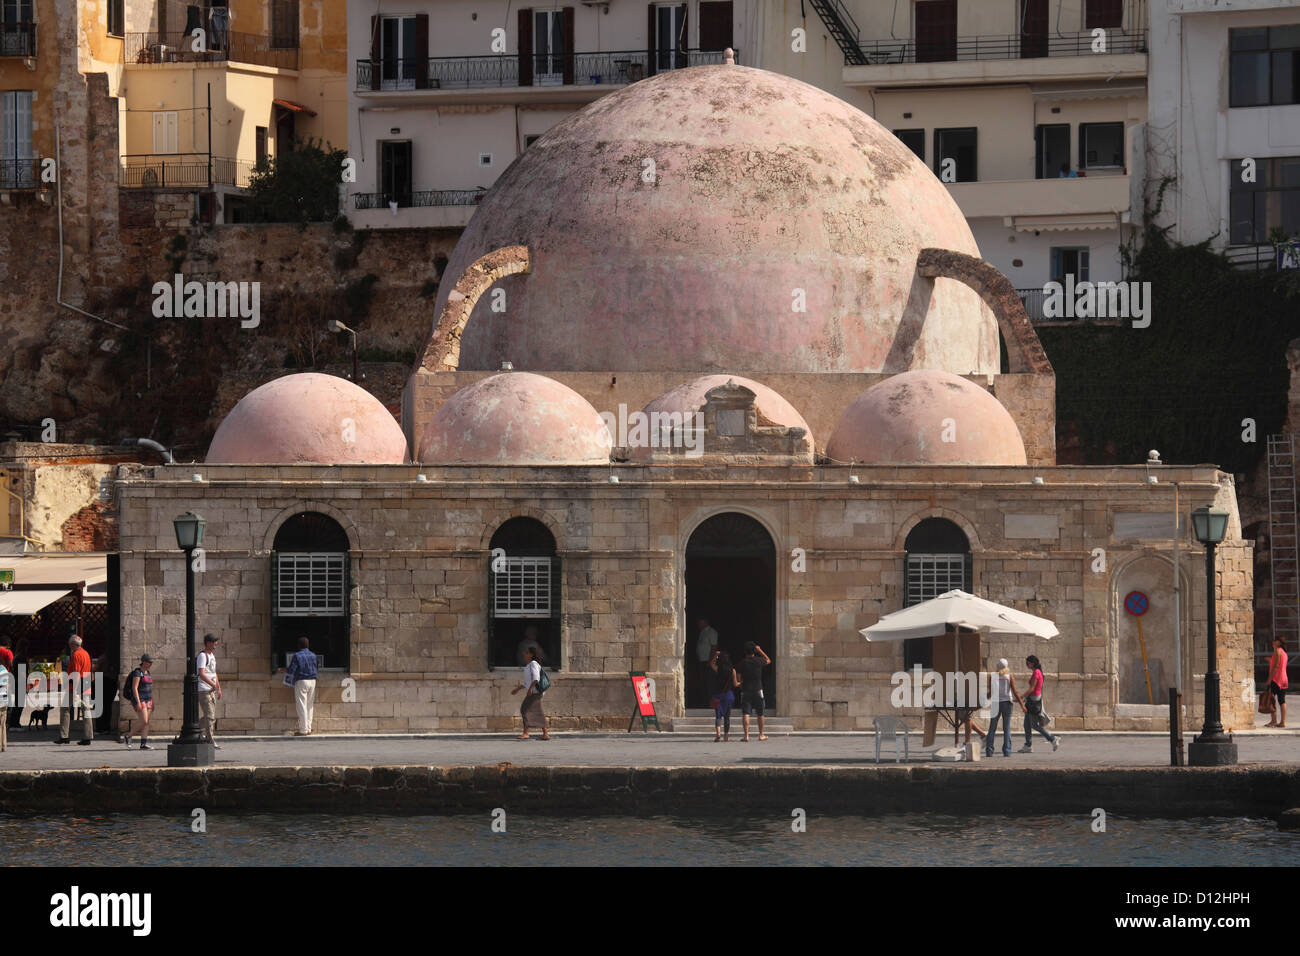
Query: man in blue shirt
{"points": [[302, 675]]}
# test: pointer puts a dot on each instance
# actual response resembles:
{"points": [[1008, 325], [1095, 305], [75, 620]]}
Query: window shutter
{"points": [[421, 51], [969, 585], [1083, 147], [652, 57], [491, 615], [683, 38], [568, 45], [556, 589], [526, 47], [375, 68], [347, 614], [275, 603]]}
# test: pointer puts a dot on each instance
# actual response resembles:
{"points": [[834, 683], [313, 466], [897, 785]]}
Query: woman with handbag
{"points": [[1032, 705], [1277, 684], [723, 682], [534, 685]]}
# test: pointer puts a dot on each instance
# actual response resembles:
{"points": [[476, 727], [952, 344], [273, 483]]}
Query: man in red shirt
{"points": [[79, 681]]}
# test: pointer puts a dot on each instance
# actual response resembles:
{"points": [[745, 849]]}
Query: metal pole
{"points": [[190, 727], [356, 378], [209, 135], [1213, 726], [1178, 638]]}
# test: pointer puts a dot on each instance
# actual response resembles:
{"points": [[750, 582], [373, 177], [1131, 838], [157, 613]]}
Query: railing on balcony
{"points": [[219, 46], [183, 171], [20, 173], [17, 39], [476, 72], [1002, 47], [423, 197]]}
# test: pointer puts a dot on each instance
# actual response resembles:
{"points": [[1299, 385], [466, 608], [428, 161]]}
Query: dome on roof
{"points": [[515, 418], [308, 418], [905, 420], [722, 217]]}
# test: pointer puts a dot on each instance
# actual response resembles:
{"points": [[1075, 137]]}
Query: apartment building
{"points": [[1032, 111], [212, 89], [446, 95], [29, 71], [1225, 123]]}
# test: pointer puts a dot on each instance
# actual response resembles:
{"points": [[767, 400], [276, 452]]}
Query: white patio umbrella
{"points": [[957, 609]]}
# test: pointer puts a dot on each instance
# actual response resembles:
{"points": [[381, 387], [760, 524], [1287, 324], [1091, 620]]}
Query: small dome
{"points": [[689, 397], [926, 417], [308, 418], [515, 418]]}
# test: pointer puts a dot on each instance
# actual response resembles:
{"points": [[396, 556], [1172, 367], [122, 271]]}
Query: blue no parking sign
{"points": [[1135, 602]]}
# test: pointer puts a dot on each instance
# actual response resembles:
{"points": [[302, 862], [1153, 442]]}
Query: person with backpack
{"points": [[6, 684], [1033, 707], [534, 685], [1004, 692], [138, 691]]}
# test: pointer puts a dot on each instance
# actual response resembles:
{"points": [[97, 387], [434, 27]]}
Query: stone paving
{"points": [[35, 750]]}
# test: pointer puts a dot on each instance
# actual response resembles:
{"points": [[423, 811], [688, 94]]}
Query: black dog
{"points": [[41, 716]]}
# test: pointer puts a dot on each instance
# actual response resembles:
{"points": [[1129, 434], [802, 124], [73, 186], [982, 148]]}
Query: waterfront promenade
{"points": [[35, 750]]}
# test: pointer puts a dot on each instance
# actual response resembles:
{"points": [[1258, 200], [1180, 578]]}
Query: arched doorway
{"points": [[731, 582], [938, 560], [523, 593], [310, 583]]}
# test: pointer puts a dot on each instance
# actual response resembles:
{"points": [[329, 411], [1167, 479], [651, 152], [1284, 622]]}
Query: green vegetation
{"points": [[299, 186], [1214, 355]]}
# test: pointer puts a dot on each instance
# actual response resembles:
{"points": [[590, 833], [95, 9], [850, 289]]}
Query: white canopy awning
{"points": [[957, 609], [26, 603]]}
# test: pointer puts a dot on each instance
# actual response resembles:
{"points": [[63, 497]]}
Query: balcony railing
{"points": [[220, 46], [423, 197], [476, 72], [183, 171], [18, 39], [20, 173], [1004, 47]]}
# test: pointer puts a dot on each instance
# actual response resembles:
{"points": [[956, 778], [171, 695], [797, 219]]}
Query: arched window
{"points": [[938, 560], [310, 578], [523, 594]]}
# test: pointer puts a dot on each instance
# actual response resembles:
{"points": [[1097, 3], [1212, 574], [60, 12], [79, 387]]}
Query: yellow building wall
{"points": [[14, 75]]}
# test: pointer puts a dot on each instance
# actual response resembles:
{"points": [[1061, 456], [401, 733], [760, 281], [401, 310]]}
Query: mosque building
{"points": [[718, 346]]}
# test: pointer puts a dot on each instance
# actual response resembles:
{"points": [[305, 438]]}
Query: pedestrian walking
{"points": [[1004, 692], [6, 686], [1277, 683], [209, 687], [301, 675], [78, 677], [723, 693], [751, 690], [531, 707], [138, 692], [1033, 707]]}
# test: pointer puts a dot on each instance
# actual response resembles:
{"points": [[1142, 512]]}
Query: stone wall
{"points": [[419, 558]]}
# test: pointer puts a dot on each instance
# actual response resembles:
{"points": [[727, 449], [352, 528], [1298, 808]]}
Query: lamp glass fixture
{"points": [[189, 530], [1210, 525]]}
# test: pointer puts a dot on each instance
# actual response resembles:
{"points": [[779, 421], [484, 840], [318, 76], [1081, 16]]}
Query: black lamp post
{"points": [[190, 749], [1212, 748]]}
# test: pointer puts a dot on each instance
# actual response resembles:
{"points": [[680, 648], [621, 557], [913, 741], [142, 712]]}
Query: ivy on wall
{"points": [[1213, 356]]}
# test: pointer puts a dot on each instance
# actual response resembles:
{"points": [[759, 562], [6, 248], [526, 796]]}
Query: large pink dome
{"points": [[765, 194], [515, 418], [308, 418], [908, 419]]}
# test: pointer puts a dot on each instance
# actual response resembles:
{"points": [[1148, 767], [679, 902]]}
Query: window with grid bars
{"points": [[929, 575], [310, 584], [521, 587]]}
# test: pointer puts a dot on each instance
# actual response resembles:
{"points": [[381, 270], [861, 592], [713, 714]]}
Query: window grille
{"points": [[929, 575], [521, 587], [310, 584]]}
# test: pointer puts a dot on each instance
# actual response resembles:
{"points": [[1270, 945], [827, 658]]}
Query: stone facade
{"points": [[419, 583]]}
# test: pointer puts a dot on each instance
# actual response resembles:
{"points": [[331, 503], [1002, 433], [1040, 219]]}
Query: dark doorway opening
{"points": [[731, 582], [523, 594], [1033, 28]]}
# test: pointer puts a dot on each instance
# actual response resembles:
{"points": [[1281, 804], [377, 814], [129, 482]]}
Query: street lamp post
{"points": [[190, 749], [336, 326], [1212, 748]]}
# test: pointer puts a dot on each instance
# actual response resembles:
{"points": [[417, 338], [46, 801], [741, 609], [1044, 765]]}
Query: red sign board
{"points": [[643, 688]]}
